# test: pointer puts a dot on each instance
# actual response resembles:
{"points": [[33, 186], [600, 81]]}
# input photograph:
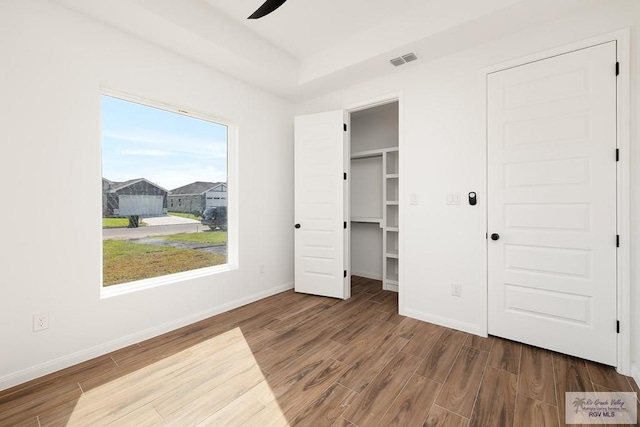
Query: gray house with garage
{"points": [[197, 196], [136, 197]]}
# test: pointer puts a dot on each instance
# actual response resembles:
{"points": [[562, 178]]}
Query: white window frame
{"points": [[232, 204]]}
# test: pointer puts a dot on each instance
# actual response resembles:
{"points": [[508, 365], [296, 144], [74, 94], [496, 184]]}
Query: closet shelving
{"points": [[381, 208], [391, 228]]}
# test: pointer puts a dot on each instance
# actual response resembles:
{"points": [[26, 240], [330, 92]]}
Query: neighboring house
{"points": [[216, 196], [136, 197], [197, 196]]}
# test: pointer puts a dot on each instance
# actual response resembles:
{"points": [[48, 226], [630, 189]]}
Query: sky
{"points": [[168, 149]]}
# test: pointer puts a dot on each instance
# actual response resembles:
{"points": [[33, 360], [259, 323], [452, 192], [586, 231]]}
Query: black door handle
{"points": [[297, 225], [495, 236]]}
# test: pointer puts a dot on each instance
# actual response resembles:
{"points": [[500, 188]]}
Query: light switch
{"points": [[414, 199], [453, 198]]}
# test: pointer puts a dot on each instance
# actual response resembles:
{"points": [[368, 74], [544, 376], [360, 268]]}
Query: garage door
{"points": [[142, 205]]}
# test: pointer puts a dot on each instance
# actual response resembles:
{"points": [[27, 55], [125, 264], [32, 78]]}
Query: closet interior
{"points": [[374, 193]]}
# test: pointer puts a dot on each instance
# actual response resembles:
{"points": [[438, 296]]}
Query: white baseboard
{"points": [[372, 276], [444, 321], [389, 287], [68, 360], [635, 373]]}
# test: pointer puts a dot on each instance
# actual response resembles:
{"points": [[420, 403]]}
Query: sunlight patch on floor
{"points": [[215, 382]]}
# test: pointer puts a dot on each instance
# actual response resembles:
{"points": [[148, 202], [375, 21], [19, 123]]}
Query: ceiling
{"points": [[308, 47], [303, 28]]}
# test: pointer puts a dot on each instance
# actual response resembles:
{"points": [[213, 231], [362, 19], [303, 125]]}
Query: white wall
{"points": [[374, 128], [443, 150], [366, 187], [54, 62], [366, 250]]}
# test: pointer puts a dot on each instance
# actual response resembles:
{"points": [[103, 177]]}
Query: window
{"points": [[153, 160]]}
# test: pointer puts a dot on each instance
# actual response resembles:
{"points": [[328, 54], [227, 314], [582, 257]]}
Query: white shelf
{"points": [[367, 220], [363, 154], [391, 218], [392, 277], [391, 203], [372, 153], [393, 176], [392, 255], [396, 229], [392, 166], [391, 270]]}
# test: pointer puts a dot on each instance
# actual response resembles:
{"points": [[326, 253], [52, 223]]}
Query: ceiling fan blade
{"points": [[266, 8]]}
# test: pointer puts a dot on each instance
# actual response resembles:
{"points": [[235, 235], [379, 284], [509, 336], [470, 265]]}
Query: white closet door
{"points": [[552, 203], [320, 205]]}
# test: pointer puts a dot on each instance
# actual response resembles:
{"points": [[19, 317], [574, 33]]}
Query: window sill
{"points": [[154, 282]]}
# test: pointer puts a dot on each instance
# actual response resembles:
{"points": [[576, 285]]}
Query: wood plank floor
{"points": [[302, 360]]}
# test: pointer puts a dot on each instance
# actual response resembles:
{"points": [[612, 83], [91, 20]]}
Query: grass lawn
{"points": [[184, 215], [213, 237], [127, 261], [117, 223]]}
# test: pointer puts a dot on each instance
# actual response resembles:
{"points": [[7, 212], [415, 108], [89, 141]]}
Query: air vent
{"points": [[409, 57], [403, 59]]}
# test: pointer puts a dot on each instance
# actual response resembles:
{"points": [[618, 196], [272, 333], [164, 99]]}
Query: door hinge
{"points": [[345, 176], [617, 154], [617, 240], [344, 126], [617, 326], [486, 235], [345, 225], [617, 68], [345, 273]]}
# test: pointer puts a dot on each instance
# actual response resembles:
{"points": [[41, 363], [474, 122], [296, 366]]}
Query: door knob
{"points": [[495, 236], [297, 225]]}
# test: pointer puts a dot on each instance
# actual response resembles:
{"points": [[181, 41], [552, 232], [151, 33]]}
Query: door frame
{"points": [[622, 39], [364, 105]]}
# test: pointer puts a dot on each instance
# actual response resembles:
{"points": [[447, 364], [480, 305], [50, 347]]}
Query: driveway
{"points": [[156, 226], [169, 220]]}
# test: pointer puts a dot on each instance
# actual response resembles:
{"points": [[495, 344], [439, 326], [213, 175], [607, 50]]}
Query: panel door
{"points": [[552, 203], [320, 205]]}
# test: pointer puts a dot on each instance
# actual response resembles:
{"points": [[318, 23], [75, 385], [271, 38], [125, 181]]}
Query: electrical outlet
{"points": [[40, 322], [456, 290]]}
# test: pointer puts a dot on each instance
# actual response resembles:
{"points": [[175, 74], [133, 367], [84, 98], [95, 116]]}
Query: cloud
{"points": [[172, 143], [164, 152]]}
